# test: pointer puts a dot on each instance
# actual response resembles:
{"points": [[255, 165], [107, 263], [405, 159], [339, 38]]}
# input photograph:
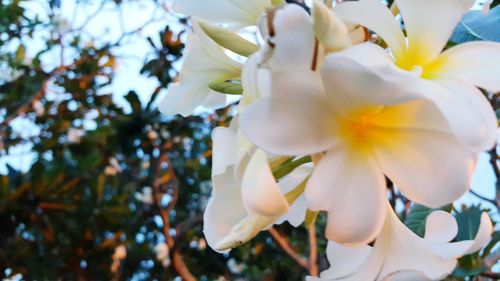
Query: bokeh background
{"points": [[96, 184]]}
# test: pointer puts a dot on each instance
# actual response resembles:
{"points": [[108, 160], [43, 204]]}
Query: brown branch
{"points": [[313, 250], [289, 250], [177, 261]]}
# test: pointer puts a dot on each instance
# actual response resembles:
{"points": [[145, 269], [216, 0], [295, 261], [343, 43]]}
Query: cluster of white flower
{"points": [[325, 115]]}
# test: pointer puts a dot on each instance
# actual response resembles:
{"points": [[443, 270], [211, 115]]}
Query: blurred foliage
{"points": [[64, 217]]}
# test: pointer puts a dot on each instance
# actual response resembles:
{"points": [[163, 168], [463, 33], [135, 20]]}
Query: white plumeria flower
{"points": [[400, 254], [447, 78], [370, 125], [238, 13], [204, 63], [239, 209]]}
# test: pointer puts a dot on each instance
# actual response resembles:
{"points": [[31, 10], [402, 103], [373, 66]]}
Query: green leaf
{"points": [[20, 53], [228, 39], [292, 196], [278, 2], [417, 218], [476, 26], [310, 217], [468, 221], [287, 167], [227, 87]]}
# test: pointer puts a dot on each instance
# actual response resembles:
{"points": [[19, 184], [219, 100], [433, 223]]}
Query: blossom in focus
{"points": [[370, 126], [400, 254], [204, 63], [448, 78]]}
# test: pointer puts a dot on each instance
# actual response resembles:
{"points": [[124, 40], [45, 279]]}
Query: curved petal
{"points": [[293, 39], [297, 211], [344, 261], [330, 30], [350, 84], [183, 99], [244, 231], [214, 100], [296, 125], [224, 209], [408, 252], [458, 249], [223, 150], [375, 16], [204, 63], [236, 12], [352, 190], [429, 25], [440, 226], [472, 62], [435, 182], [407, 275], [261, 194], [469, 114]]}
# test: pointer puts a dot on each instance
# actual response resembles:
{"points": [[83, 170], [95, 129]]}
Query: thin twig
{"points": [[176, 257], [313, 250], [492, 201], [289, 250]]}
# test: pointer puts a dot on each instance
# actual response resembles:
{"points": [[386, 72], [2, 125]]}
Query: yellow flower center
{"points": [[365, 129]]}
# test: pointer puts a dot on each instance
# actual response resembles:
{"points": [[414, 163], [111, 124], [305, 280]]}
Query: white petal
{"points": [[237, 12], [469, 113], [244, 231], [223, 150], [352, 190], [255, 81], [406, 251], [296, 125], [293, 39], [344, 261], [375, 16], [440, 226], [350, 84], [331, 32], [472, 62], [261, 194], [407, 276], [429, 25], [204, 63], [214, 100], [183, 99], [461, 248], [244, 151], [224, 210], [297, 211], [444, 167]]}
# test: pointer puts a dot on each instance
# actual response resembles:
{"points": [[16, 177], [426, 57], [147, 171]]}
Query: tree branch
{"points": [[289, 250], [313, 250]]}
